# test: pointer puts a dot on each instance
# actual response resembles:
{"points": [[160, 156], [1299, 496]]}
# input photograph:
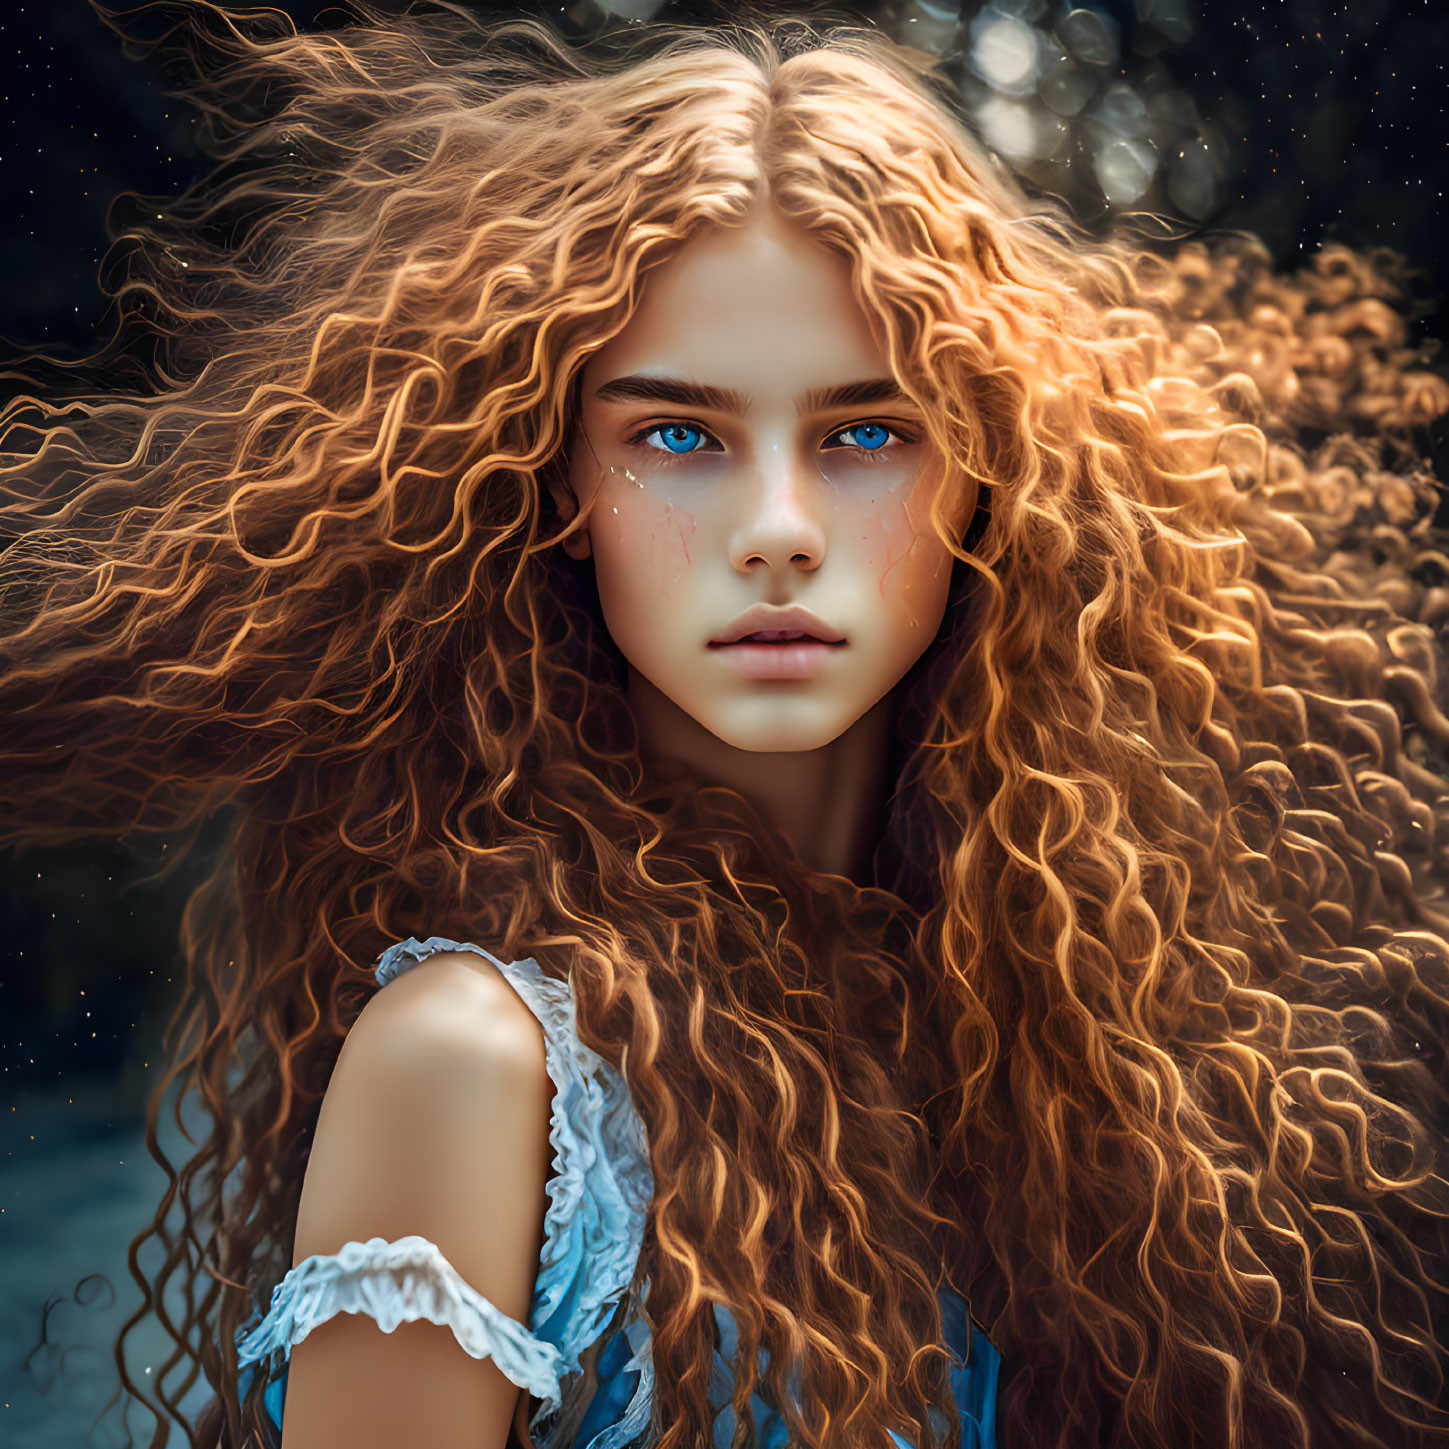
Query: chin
{"points": [[777, 736]]}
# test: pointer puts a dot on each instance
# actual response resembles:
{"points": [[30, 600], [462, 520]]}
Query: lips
{"points": [[784, 659], [766, 624]]}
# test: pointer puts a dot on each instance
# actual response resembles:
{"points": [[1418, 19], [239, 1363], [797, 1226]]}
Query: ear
{"points": [[577, 545]]}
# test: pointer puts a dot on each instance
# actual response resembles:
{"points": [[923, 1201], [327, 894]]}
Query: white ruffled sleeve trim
{"points": [[400, 1282]]}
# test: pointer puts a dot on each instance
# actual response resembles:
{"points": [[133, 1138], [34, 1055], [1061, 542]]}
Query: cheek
{"points": [[906, 567], [903, 554], [642, 546]]}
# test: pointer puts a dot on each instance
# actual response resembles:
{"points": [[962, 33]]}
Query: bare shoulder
{"points": [[454, 1008], [436, 1116]]}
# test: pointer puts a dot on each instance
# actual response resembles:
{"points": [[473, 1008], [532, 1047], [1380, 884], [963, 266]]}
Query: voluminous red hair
{"points": [[1140, 1035]]}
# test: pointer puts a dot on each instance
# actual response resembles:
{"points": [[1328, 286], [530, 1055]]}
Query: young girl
{"points": [[792, 671]]}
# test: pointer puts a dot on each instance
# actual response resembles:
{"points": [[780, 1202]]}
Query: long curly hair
{"points": [[1138, 1035]]}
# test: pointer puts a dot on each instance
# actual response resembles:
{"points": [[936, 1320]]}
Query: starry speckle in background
{"points": [[80, 122]]}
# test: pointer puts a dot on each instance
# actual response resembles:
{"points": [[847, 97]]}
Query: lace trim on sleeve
{"points": [[400, 1282]]}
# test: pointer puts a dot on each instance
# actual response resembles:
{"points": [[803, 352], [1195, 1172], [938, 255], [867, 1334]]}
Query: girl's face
{"points": [[746, 464]]}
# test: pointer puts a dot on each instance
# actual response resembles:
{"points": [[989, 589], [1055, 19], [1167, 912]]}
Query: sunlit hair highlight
{"points": [[1141, 1036]]}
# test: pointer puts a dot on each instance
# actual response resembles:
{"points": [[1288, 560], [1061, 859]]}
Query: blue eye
{"points": [[869, 437], [678, 437]]}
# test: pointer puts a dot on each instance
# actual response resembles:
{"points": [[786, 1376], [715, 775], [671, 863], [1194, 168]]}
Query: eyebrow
{"points": [[677, 393]]}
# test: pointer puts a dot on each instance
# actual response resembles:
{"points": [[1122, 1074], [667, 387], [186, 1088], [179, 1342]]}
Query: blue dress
{"points": [[582, 1303]]}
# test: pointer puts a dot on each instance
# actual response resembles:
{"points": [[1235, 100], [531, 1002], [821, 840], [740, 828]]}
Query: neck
{"points": [[829, 803]]}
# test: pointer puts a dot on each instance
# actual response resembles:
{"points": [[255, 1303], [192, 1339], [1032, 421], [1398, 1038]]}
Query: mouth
{"points": [[776, 638], [764, 628]]}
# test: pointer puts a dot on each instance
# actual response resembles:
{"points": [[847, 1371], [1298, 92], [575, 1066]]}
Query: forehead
{"points": [[761, 308]]}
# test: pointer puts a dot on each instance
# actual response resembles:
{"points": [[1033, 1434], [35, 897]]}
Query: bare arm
{"points": [[436, 1123]]}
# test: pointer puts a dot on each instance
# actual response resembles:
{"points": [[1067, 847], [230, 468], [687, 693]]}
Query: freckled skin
{"points": [[765, 310]]}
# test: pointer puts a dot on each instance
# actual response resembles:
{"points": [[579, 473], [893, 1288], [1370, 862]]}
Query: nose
{"points": [[779, 522]]}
